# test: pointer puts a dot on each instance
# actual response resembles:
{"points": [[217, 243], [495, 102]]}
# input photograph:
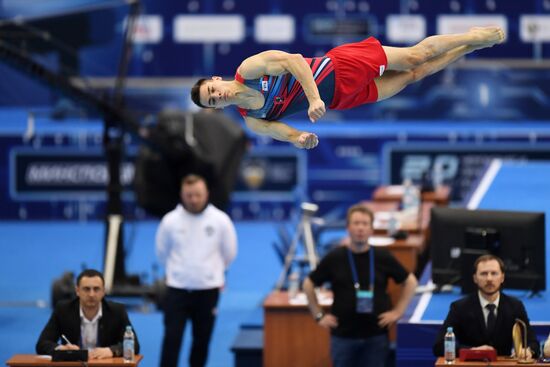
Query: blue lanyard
{"points": [[356, 284]]}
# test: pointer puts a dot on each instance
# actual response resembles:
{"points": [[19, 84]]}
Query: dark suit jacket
{"points": [[466, 318], [65, 320]]}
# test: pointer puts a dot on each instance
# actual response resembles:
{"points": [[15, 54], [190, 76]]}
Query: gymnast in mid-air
{"points": [[273, 84]]}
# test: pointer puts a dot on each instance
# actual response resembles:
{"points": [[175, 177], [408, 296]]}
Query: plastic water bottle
{"points": [[411, 196], [293, 285], [437, 176], [128, 345], [450, 346], [393, 224]]}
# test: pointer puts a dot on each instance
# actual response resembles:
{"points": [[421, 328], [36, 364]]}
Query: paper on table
{"points": [[382, 219], [381, 241], [395, 189], [383, 215], [301, 299]]}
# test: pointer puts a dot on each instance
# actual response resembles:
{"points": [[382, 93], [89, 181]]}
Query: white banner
{"points": [[534, 28], [405, 28], [209, 28], [148, 29], [274, 29]]}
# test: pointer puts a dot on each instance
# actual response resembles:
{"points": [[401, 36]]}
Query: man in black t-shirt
{"points": [[362, 310]]}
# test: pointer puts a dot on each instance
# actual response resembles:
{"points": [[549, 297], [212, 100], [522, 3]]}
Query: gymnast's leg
{"points": [[407, 58], [392, 82]]}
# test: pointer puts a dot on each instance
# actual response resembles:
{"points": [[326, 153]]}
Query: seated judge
{"points": [[87, 322], [484, 319]]}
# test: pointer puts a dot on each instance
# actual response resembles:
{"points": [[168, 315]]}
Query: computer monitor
{"points": [[459, 236]]}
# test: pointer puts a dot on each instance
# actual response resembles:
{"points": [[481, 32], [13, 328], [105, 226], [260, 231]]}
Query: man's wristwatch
{"points": [[319, 315]]}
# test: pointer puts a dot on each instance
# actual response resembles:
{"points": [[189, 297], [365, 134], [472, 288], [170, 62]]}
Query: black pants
{"points": [[180, 305]]}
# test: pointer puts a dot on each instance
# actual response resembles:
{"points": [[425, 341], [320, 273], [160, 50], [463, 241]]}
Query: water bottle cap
{"points": [[128, 328], [450, 329]]}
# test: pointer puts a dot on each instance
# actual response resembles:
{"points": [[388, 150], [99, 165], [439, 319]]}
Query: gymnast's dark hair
{"points": [[195, 93]]}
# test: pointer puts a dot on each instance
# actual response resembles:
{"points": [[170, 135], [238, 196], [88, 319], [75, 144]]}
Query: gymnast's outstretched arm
{"points": [[281, 131]]}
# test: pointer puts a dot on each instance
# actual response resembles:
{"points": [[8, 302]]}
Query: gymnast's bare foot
{"points": [[486, 36]]}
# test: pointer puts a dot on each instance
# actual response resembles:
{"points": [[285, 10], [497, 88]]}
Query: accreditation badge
{"points": [[364, 301]]}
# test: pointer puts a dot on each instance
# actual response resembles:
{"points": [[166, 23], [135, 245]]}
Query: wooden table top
{"points": [[39, 360], [440, 196], [501, 361]]}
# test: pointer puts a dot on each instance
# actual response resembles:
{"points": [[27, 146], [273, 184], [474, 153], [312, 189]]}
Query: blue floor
{"points": [[518, 186], [523, 186], [34, 253]]}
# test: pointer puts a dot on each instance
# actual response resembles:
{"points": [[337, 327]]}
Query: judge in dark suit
{"points": [[484, 320], [87, 322]]}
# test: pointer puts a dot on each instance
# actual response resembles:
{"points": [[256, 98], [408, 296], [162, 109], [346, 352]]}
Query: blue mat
{"points": [[517, 186], [525, 187]]}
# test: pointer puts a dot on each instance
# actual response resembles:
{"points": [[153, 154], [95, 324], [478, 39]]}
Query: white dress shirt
{"points": [[89, 328], [484, 303], [196, 249]]}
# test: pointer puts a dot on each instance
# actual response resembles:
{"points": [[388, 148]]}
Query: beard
{"points": [[490, 290], [194, 209]]}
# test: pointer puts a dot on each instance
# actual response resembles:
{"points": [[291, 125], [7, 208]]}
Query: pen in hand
{"points": [[66, 340], [68, 346]]}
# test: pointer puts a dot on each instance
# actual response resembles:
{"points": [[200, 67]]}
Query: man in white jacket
{"points": [[195, 242]]}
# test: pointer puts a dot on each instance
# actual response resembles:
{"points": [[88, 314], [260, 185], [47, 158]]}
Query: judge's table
{"points": [[291, 335], [34, 360], [410, 222], [439, 196], [501, 361]]}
